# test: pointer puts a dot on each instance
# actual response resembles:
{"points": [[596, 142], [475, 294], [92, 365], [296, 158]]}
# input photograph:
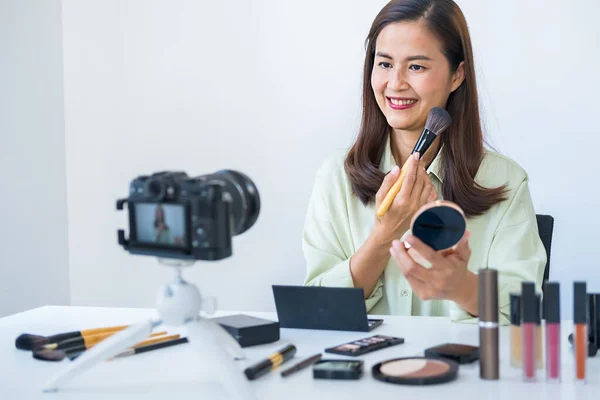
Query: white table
{"points": [[178, 373]]}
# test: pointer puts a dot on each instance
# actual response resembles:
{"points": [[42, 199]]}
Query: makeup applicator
{"points": [[437, 122], [74, 352], [28, 341], [85, 342]]}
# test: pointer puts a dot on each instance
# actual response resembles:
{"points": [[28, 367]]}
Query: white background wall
{"points": [[33, 232], [271, 88]]}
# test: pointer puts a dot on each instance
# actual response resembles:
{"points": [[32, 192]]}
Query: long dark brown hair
{"points": [[461, 145]]}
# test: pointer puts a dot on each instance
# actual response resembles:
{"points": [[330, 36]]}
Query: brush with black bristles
{"points": [[437, 122], [86, 342], [28, 341], [141, 347]]}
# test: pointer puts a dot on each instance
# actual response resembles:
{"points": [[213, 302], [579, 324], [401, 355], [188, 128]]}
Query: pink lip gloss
{"points": [[528, 327], [552, 316]]}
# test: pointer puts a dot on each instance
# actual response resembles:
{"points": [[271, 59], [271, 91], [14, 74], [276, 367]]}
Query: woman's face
{"points": [[411, 75]]}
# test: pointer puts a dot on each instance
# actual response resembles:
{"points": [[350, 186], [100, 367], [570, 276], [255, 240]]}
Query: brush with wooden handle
{"points": [[85, 342], [76, 351], [28, 341], [437, 122], [151, 347]]}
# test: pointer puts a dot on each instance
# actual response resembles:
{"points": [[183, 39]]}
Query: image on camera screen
{"points": [[160, 224]]}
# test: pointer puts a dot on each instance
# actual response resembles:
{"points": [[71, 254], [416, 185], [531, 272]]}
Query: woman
{"points": [[162, 233], [418, 57]]}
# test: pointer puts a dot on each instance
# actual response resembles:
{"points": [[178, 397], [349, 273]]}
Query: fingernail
{"points": [[409, 238], [395, 169], [396, 244], [416, 156]]}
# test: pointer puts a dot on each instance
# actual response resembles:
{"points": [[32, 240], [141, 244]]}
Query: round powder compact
{"points": [[416, 371]]}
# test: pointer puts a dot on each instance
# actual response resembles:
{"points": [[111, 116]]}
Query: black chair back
{"points": [[546, 228]]}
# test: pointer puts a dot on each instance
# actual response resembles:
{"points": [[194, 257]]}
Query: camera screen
{"points": [[160, 224]]}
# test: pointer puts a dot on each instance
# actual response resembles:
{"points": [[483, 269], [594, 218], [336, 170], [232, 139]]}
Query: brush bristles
{"points": [[28, 341], [438, 120], [49, 355]]}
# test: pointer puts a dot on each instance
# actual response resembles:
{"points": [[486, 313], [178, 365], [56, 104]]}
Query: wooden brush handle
{"points": [[157, 340], [394, 190], [93, 340], [97, 331]]}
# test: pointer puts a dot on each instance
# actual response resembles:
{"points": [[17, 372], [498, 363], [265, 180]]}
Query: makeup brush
{"points": [[437, 122], [145, 343], [74, 352], [150, 347], [28, 341], [86, 342]]}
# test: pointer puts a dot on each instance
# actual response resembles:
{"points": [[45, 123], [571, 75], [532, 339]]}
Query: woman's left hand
{"points": [[448, 277]]}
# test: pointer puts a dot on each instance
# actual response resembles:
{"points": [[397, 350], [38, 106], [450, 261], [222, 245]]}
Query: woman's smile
{"points": [[401, 103]]}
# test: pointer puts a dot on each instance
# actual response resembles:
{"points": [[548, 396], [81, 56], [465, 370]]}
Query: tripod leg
{"points": [[104, 350], [224, 339], [208, 346]]}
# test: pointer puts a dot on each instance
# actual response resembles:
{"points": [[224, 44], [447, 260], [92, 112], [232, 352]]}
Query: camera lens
{"points": [[243, 197]]}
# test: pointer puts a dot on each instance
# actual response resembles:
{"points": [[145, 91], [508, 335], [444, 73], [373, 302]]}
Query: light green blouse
{"points": [[505, 238]]}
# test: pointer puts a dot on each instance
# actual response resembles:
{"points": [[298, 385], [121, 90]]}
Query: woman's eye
{"points": [[385, 64], [415, 67]]}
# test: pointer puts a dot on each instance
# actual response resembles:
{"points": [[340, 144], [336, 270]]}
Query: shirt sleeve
{"points": [[324, 242], [516, 251]]}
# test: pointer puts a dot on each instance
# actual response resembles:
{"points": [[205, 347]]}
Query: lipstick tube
{"points": [[528, 326], [489, 360], [580, 337], [552, 316]]}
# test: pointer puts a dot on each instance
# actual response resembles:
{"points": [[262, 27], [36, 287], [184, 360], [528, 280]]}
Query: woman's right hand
{"points": [[416, 191]]}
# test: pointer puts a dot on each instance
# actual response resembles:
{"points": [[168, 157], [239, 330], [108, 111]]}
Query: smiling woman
{"points": [[419, 56]]}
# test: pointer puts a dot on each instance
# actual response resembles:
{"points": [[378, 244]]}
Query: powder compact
{"points": [[416, 371], [461, 353], [439, 224]]}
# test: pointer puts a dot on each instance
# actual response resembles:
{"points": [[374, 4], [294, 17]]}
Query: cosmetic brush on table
{"points": [[28, 341], [86, 341], [151, 347], [74, 352]]}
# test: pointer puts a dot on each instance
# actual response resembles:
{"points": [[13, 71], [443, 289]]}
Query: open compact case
{"points": [[439, 224]]}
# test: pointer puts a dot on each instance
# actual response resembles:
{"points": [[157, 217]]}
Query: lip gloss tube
{"points": [[552, 315], [539, 341], [580, 337], [529, 311], [516, 336], [594, 319], [489, 360]]}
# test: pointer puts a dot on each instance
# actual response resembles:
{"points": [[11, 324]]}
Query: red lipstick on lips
{"points": [[400, 106]]}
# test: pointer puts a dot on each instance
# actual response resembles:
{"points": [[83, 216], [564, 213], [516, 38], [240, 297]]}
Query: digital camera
{"points": [[172, 215]]}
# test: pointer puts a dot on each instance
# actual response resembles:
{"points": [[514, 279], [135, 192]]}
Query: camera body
{"points": [[172, 215]]}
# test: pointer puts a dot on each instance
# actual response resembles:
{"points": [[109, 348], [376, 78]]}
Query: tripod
{"points": [[178, 304]]}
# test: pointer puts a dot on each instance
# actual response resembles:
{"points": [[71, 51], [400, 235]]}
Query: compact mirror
{"points": [[439, 224]]}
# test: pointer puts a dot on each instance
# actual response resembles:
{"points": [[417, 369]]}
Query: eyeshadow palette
{"points": [[366, 345]]}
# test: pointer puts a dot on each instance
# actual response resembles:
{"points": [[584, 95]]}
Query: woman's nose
{"points": [[397, 81]]}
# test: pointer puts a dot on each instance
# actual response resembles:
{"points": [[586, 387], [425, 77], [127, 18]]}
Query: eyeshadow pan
{"points": [[403, 367], [432, 368]]}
